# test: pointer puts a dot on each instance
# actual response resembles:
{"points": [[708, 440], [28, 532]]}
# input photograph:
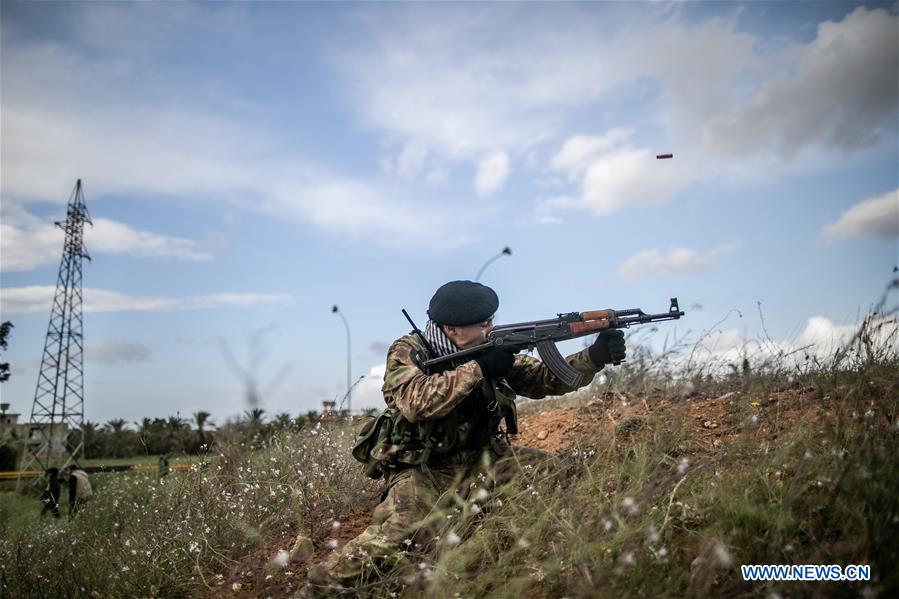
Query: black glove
{"points": [[608, 348], [496, 362]]}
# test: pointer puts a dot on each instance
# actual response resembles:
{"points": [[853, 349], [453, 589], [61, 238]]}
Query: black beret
{"points": [[460, 303]]}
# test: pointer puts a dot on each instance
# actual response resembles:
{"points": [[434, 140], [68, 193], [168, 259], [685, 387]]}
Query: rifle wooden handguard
{"points": [[579, 329]]}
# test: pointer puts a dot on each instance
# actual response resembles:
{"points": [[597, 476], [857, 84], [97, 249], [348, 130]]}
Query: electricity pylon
{"points": [[56, 436]]}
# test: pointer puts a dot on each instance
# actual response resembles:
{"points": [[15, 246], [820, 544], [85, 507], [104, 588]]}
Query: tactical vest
{"points": [[389, 443]]}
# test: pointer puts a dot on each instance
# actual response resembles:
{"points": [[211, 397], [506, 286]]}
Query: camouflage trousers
{"points": [[412, 518]]}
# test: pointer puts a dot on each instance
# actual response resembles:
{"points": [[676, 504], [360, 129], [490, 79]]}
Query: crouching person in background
{"points": [[50, 496], [79, 488]]}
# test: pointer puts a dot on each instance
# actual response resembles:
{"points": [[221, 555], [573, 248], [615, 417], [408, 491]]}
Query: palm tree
{"points": [[254, 416], [202, 418], [176, 426], [117, 428], [282, 421], [89, 437], [152, 435], [254, 423]]}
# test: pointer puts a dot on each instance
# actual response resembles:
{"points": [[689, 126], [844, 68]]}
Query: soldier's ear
{"points": [[450, 331]]}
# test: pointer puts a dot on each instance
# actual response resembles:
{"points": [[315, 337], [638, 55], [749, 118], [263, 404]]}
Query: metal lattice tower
{"points": [[57, 415]]}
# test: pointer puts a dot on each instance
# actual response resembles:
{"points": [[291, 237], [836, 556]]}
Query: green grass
{"points": [[175, 536], [141, 460], [17, 511]]}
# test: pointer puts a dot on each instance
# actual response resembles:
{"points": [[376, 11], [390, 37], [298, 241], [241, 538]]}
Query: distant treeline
{"points": [[117, 438]]}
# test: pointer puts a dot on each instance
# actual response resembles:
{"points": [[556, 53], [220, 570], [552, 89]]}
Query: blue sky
{"points": [[247, 165]]}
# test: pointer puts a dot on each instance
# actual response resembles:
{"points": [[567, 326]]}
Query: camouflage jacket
{"points": [[443, 413]]}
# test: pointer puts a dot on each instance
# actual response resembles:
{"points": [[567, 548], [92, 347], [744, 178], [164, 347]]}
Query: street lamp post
{"points": [[349, 369], [507, 251]]}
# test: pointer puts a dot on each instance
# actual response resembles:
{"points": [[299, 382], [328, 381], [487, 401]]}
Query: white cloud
{"points": [[409, 163], [111, 237], [878, 216], [27, 242], [723, 342], [612, 174], [731, 102], [38, 298], [367, 393], [442, 87], [546, 210], [493, 170], [83, 112], [630, 177], [840, 91], [824, 334], [819, 340], [579, 151], [437, 77], [113, 351], [678, 261]]}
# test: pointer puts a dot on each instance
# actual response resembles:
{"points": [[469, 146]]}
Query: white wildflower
{"points": [[682, 466], [630, 505], [725, 560], [452, 539], [281, 558]]}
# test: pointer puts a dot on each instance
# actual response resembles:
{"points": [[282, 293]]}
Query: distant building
{"points": [[31, 433], [7, 419]]}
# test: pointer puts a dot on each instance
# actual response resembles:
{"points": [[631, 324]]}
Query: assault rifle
{"points": [[544, 334]]}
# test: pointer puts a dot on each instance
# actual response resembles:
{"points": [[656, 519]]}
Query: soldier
{"points": [[79, 488], [441, 434]]}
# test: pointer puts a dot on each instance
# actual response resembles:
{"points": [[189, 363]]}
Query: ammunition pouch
{"points": [[373, 444], [388, 442]]}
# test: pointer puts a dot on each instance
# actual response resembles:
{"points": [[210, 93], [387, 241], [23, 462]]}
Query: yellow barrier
{"points": [[8, 475], [12, 474]]}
